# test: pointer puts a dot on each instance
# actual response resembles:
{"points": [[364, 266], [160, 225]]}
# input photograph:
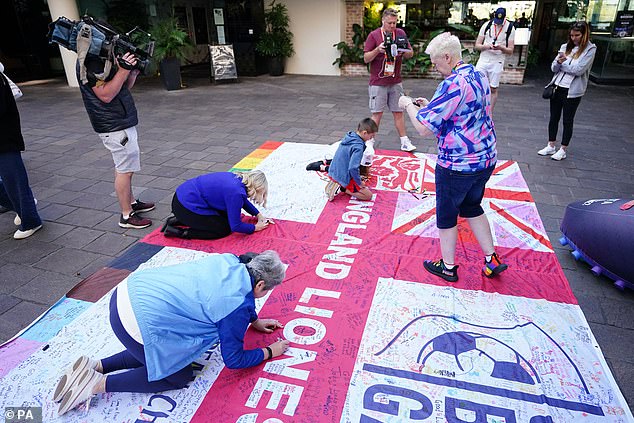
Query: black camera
{"points": [[393, 45], [105, 41]]}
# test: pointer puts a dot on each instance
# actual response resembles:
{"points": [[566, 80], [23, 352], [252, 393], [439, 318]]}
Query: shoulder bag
{"points": [[549, 90]]}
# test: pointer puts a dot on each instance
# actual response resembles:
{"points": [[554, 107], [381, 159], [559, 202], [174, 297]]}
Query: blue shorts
{"points": [[459, 194]]}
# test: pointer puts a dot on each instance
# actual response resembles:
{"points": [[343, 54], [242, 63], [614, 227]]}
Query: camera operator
{"points": [[113, 116]]}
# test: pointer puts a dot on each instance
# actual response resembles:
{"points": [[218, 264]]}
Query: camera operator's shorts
{"points": [[382, 96], [124, 148], [492, 70], [459, 194]]}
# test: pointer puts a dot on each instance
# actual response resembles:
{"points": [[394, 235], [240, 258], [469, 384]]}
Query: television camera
{"points": [[105, 42]]}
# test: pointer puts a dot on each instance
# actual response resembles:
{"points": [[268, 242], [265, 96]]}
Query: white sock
{"points": [[449, 266], [126, 217], [404, 139]]}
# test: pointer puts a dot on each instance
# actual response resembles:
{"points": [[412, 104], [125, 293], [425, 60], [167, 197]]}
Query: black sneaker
{"points": [[134, 222], [316, 166], [140, 207], [438, 268], [173, 232], [171, 221]]}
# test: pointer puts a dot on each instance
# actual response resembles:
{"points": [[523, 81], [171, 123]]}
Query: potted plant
{"points": [[350, 58], [276, 42], [171, 46]]}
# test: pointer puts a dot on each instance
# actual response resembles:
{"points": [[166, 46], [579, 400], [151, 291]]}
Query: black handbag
{"points": [[549, 90]]}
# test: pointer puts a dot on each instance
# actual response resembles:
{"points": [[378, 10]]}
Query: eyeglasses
{"points": [[578, 25]]}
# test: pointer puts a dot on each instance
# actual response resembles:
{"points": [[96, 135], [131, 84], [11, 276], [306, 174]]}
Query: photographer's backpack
{"points": [[508, 30]]}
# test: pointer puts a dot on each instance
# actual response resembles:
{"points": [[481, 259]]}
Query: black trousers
{"points": [[560, 102], [201, 226]]}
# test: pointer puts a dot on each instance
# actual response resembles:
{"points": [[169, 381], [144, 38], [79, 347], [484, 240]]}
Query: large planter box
{"points": [[354, 69], [514, 66]]}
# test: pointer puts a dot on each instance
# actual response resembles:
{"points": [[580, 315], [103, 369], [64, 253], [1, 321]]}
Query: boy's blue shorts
{"points": [[459, 194]]}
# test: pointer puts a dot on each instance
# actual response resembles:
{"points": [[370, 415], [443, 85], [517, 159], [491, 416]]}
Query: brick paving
{"points": [[208, 127]]}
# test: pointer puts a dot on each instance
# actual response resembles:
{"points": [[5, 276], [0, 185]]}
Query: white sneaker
{"points": [[407, 146], [332, 189], [17, 221], [72, 376], [25, 234], [559, 155], [81, 391], [547, 151]]}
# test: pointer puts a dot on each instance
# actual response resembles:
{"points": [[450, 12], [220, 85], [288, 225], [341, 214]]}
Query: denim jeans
{"points": [[15, 193], [459, 194]]}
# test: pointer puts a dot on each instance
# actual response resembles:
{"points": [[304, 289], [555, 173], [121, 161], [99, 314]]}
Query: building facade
{"points": [[318, 26]]}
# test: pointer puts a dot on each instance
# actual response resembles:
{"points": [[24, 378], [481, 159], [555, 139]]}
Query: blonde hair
{"points": [[256, 184], [445, 43]]}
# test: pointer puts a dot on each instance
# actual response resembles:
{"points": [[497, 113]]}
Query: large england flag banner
{"points": [[373, 336]]}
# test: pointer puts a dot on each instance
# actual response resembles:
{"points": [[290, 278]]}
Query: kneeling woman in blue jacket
{"points": [[209, 206], [167, 317]]}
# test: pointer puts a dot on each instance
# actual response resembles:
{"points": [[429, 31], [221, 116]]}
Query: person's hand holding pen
{"points": [[421, 102], [279, 347], [268, 326], [263, 222], [262, 218]]}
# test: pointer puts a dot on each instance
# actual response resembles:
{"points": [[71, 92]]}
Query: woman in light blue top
{"points": [[167, 317], [572, 69]]}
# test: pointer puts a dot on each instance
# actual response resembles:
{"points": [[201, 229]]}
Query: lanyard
{"points": [[497, 34]]}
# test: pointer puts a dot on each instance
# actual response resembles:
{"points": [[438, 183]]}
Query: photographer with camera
{"points": [[385, 49], [113, 116]]}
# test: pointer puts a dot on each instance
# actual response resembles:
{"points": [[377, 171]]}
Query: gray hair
{"points": [[445, 43], [268, 267], [389, 12]]}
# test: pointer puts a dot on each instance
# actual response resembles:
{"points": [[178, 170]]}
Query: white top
{"points": [[565, 80], [126, 314], [497, 34]]}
